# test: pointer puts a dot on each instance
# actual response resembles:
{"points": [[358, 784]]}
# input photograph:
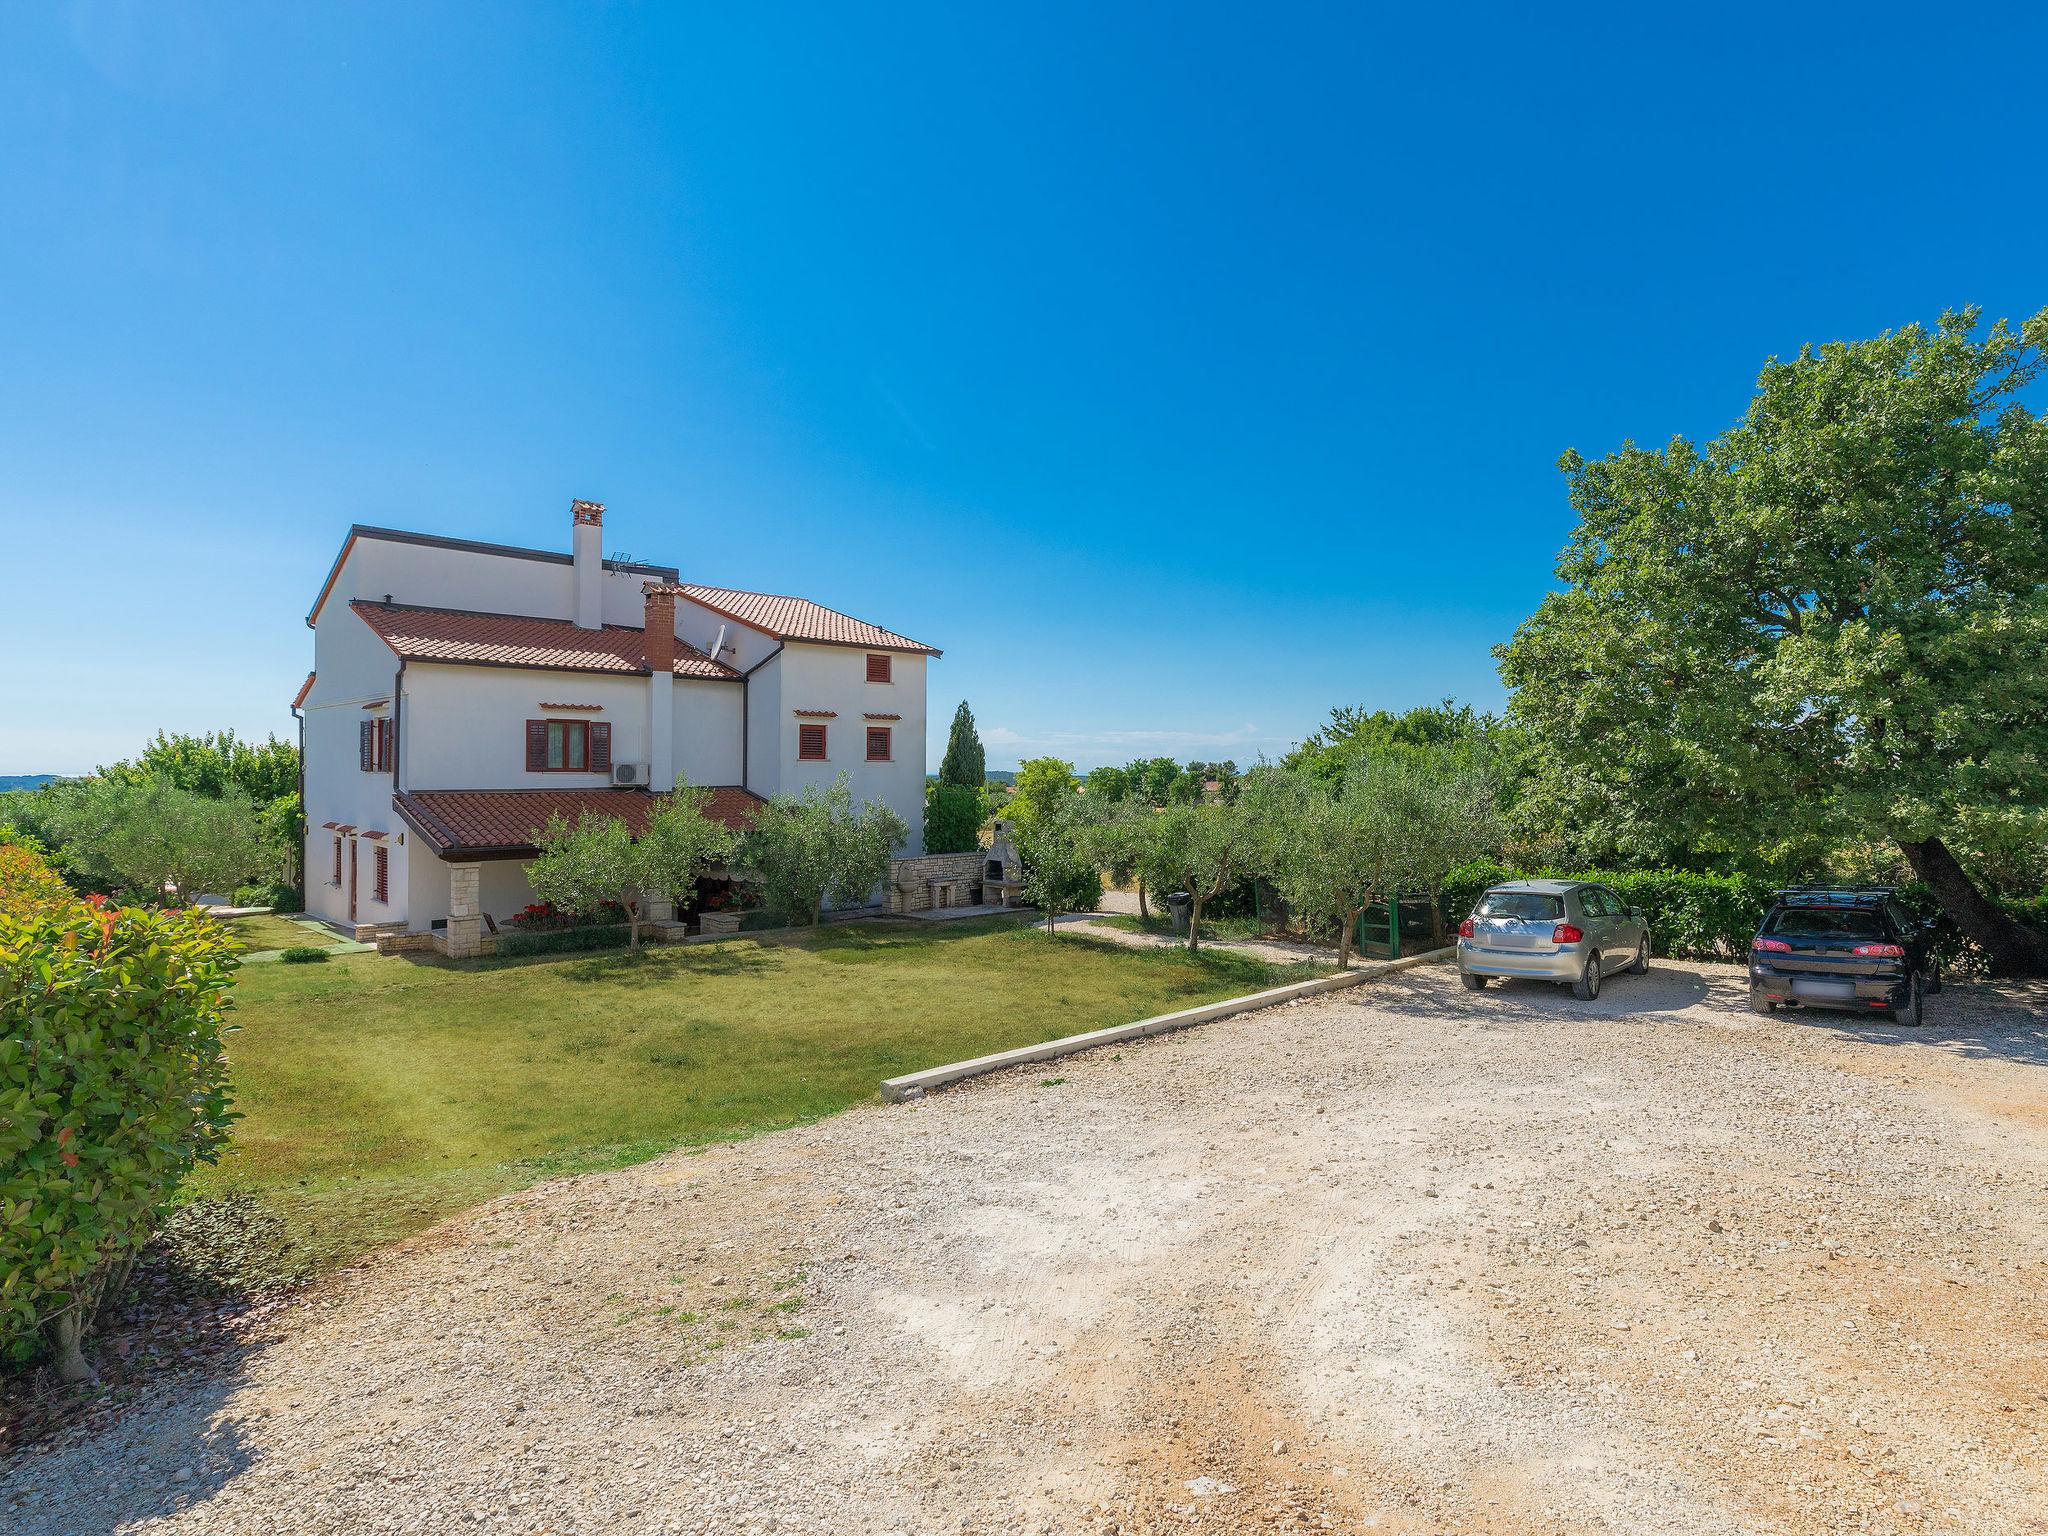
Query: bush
{"points": [[302, 954], [566, 941], [28, 885], [546, 917], [953, 814], [113, 1087], [278, 895]]}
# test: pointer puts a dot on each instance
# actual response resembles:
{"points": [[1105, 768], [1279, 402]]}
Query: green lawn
{"points": [[382, 1093], [268, 931]]}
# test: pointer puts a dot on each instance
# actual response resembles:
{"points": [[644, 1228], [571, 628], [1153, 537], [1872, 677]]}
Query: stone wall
{"points": [[910, 879]]}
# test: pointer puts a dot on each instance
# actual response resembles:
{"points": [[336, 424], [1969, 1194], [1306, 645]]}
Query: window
{"points": [[382, 868], [336, 881], [878, 744], [373, 745], [1522, 906], [810, 743], [1846, 923], [878, 668], [568, 746]]}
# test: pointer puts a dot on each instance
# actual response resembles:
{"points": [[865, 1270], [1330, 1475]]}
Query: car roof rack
{"points": [[1835, 895]]}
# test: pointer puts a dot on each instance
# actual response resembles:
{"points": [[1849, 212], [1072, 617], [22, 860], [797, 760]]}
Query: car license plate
{"points": [[1826, 991]]}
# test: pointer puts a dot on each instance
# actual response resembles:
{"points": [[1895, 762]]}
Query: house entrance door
{"points": [[351, 879]]}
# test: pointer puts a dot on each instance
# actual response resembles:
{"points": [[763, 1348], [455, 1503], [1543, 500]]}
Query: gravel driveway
{"points": [[1399, 1258]]}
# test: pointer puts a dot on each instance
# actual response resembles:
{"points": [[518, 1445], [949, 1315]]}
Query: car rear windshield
{"points": [[1825, 923], [1526, 906]]}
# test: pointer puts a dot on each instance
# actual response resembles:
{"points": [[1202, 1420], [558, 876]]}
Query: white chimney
{"points": [[588, 548]]}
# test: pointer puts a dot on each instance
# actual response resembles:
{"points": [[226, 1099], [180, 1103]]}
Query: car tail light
{"points": [[1880, 951], [1773, 946], [1567, 933], [1465, 929]]}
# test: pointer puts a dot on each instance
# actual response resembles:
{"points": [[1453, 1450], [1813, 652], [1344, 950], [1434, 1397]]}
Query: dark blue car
{"points": [[1851, 947]]}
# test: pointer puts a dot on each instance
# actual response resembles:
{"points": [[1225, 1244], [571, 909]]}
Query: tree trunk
{"points": [[1344, 922], [1194, 921], [2014, 948], [1142, 913], [64, 1331]]}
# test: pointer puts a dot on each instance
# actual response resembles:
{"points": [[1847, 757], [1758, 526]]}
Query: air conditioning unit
{"points": [[629, 773]]}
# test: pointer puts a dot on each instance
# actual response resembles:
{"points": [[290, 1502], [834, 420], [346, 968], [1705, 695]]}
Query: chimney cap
{"points": [[661, 589], [591, 512]]}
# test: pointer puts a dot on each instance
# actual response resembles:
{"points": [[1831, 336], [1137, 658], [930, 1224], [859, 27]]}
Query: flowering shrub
{"points": [[27, 883], [113, 1087], [546, 917]]}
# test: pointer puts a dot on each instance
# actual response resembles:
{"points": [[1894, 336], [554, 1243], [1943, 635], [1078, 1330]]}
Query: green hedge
{"points": [[113, 1088], [1713, 917], [566, 941]]}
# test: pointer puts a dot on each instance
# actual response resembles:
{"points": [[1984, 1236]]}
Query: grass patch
{"points": [[381, 1094], [266, 930]]}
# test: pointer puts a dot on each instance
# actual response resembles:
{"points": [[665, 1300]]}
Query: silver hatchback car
{"points": [[1552, 930]]}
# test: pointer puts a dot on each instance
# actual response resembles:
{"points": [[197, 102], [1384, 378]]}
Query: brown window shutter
{"points": [[878, 743], [536, 746], [600, 746], [810, 742], [384, 874], [366, 747], [878, 669], [384, 733]]}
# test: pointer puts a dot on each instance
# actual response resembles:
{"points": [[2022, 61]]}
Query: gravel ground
{"points": [[1401, 1259]]}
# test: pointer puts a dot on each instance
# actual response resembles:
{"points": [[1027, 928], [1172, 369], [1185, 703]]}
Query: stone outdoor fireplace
{"points": [[1002, 872]]}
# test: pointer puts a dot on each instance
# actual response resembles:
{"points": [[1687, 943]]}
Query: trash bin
{"points": [[1180, 904]]}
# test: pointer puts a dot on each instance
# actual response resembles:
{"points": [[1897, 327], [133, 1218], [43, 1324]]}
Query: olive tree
{"points": [[1200, 849], [1392, 824], [145, 834], [819, 846], [582, 866]]}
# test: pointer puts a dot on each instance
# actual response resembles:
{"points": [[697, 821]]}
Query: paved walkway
{"points": [[1274, 951]]}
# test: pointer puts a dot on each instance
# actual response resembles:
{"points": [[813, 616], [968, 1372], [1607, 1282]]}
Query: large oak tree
{"points": [[1827, 624]]}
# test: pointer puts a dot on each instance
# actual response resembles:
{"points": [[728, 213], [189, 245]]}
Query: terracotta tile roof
{"points": [[503, 822], [797, 618], [304, 688], [516, 640]]}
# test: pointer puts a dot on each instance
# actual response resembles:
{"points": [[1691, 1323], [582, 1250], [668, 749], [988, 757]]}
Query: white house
{"points": [[462, 692]]}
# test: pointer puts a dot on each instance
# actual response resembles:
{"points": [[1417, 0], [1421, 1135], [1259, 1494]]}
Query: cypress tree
{"points": [[965, 762]]}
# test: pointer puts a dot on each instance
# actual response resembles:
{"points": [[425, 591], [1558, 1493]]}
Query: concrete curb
{"points": [[915, 1085]]}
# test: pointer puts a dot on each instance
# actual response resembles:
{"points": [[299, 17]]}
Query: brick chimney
{"points": [[660, 643], [587, 545], [661, 624]]}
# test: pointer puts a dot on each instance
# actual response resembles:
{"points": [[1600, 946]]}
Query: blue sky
{"points": [[1182, 371]]}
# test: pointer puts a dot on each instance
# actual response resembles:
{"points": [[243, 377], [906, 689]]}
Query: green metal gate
{"points": [[1394, 928]]}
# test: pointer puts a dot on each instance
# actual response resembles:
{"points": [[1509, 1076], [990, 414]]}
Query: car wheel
{"points": [[1587, 987], [1641, 964], [1472, 983], [1914, 1010]]}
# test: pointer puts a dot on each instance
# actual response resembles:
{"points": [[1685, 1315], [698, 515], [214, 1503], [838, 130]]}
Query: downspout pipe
{"points": [[300, 859], [746, 703]]}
